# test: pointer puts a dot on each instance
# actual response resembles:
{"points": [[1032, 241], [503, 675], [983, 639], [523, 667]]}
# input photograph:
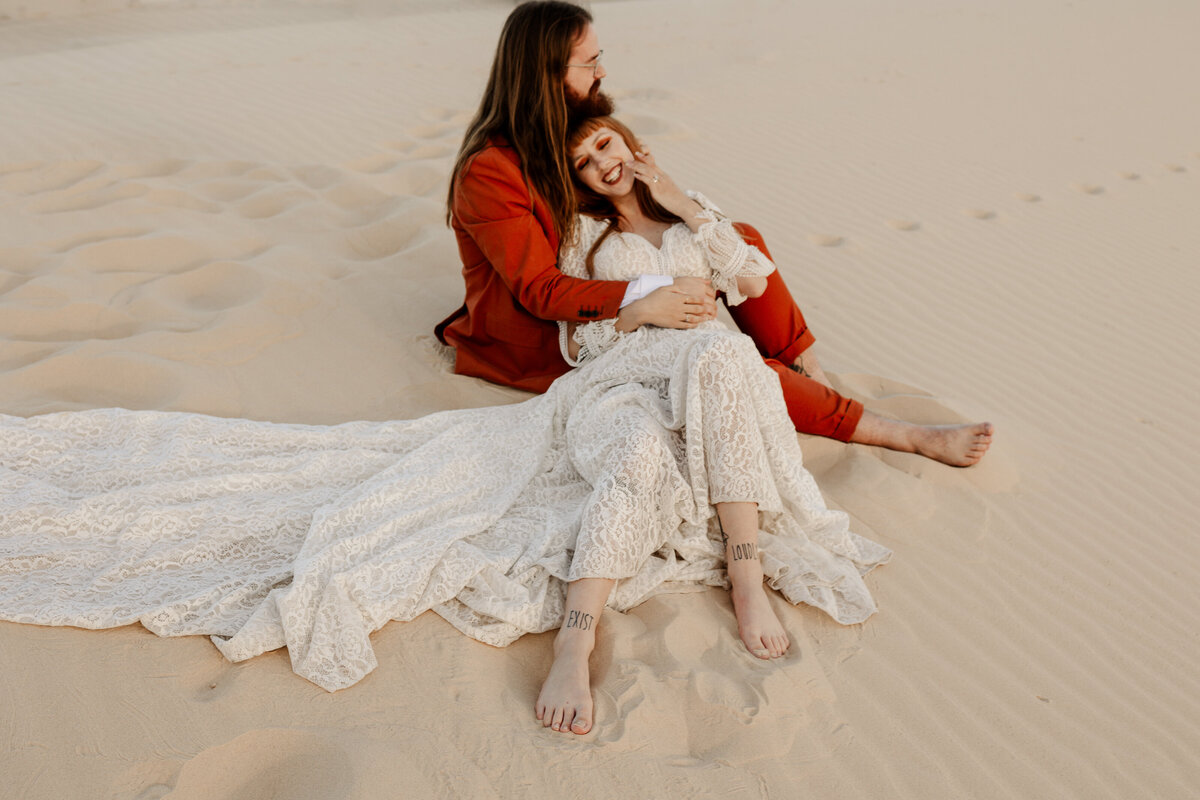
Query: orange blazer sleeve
{"points": [[495, 208]]}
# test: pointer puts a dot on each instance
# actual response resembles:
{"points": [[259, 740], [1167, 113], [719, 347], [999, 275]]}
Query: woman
{"points": [[264, 535], [706, 390]]}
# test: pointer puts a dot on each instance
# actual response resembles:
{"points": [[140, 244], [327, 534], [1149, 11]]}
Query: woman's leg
{"points": [[758, 627], [625, 454], [736, 467], [565, 702]]}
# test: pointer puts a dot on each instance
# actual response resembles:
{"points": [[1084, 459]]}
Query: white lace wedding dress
{"points": [[266, 535]]}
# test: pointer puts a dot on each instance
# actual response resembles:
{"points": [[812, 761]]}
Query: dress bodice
{"points": [[716, 251]]}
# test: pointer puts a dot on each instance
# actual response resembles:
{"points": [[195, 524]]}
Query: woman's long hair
{"points": [[524, 102], [591, 203]]}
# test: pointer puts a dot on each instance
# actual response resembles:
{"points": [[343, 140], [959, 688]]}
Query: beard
{"points": [[595, 104]]}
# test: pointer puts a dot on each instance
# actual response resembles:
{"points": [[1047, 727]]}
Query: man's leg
{"points": [[814, 407], [777, 326], [772, 320]]}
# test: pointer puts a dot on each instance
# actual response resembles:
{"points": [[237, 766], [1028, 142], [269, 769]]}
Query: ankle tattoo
{"points": [[798, 366], [578, 619], [743, 552]]}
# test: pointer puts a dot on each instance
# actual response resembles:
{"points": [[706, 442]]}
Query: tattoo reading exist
{"points": [[741, 552], [578, 619]]}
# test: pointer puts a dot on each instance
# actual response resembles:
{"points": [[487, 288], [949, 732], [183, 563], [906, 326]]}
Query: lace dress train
{"points": [[266, 535]]}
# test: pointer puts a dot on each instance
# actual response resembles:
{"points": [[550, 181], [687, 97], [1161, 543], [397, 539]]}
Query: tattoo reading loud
{"points": [[741, 552]]}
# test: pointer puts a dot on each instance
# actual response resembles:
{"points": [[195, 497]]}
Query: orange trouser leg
{"points": [[775, 323]]}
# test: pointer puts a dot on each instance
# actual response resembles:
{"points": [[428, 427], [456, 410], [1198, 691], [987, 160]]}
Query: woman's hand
{"points": [[684, 304], [662, 188]]}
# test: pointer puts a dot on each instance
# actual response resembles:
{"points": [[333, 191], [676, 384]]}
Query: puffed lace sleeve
{"points": [[728, 254], [593, 338]]}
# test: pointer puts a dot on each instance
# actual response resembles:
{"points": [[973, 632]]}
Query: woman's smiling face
{"points": [[602, 161]]}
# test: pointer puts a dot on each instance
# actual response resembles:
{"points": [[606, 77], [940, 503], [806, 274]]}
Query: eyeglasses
{"points": [[593, 66]]}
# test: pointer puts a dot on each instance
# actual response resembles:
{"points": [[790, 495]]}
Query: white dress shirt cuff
{"points": [[643, 285]]}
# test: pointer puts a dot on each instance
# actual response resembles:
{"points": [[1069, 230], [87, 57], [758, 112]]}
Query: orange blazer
{"points": [[505, 331]]}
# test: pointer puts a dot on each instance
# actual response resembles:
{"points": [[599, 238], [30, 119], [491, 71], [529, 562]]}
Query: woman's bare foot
{"points": [[956, 445], [758, 627], [565, 702]]}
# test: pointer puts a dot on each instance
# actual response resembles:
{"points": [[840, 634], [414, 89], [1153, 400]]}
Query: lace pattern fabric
{"points": [[266, 535]]}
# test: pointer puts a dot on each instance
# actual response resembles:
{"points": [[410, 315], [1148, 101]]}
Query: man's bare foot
{"points": [[956, 445], [565, 702], [758, 627]]}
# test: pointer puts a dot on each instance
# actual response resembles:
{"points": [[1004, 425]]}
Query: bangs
{"points": [[586, 128]]}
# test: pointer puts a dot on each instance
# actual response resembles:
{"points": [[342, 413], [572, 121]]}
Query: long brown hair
{"points": [[595, 205], [524, 102]]}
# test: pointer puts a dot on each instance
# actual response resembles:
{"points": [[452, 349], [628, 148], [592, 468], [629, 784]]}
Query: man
{"points": [[511, 203]]}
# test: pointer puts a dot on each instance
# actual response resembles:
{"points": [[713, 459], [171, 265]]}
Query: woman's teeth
{"points": [[613, 175]]}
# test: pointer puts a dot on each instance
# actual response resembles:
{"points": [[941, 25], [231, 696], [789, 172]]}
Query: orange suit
{"points": [[506, 330]]}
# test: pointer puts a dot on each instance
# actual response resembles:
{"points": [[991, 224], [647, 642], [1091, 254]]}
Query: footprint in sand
{"points": [[698, 665], [352, 194], [1027, 197], [87, 377], [1129, 176], [265, 174], [11, 280], [903, 224], [980, 213], [437, 130], [149, 254], [92, 237], [177, 198], [217, 286], [211, 170], [153, 169], [372, 165], [49, 177], [417, 178], [415, 175], [86, 199], [825, 240], [1088, 188], [317, 176], [265, 205], [18, 166], [647, 125], [1175, 167], [401, 230], [265, 763], [454, 116], [654, 96], [228, 190], [415, 149], [21, 260]]}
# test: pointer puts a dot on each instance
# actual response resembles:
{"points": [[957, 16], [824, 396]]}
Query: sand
{"points": [[986, 212]]}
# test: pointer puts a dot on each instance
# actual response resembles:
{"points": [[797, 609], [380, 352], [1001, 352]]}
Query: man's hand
{"points": [[684, 304]]}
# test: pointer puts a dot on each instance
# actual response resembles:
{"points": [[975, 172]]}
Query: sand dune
{"points": [[236, 209]]}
